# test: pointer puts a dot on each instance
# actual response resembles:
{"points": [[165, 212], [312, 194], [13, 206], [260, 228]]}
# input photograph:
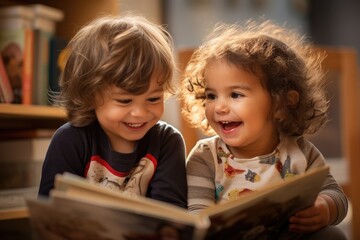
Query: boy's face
{"points": [[126, 118], [238, 108]]}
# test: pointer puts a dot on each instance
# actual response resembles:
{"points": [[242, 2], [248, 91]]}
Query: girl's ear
{"points": [[292, 98]]}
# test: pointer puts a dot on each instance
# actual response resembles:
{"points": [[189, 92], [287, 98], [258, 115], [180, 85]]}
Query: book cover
{"points": [[266, 212], [16, 47], [16, 11], [44, 24], [5, 86], [57, 45], [42, 11], [41, 67], [254, 216]]}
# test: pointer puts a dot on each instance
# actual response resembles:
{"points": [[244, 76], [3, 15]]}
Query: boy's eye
{"points": [[124, 101], [154, 99]]}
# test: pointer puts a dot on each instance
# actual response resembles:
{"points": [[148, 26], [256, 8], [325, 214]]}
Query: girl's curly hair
{"points": [[281, 58]]}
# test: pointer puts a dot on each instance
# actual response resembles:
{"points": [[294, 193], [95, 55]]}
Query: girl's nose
{"points": [[221, 107]]}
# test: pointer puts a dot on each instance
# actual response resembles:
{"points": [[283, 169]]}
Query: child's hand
{"points": [[311, 219]]}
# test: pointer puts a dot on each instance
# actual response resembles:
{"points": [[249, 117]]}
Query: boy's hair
{"points": [[281, 59], [114, 51]]}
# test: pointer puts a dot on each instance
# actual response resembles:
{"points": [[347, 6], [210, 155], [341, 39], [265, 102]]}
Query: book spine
{"points": [[57, 45], [28, 67], [41, 67], [5, 86]]}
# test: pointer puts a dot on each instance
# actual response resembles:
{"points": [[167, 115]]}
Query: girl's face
{"points": [[238, 108], [126, 118]]}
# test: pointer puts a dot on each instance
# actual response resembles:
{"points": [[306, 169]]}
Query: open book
{"points": [[77, 209]]}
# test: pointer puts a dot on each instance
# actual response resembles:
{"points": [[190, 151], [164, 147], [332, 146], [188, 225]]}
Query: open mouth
{"points": [[229, 125]]}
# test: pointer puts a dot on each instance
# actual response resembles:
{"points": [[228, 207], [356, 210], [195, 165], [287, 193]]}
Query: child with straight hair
{"points": [[118, 73], [260, 88]]}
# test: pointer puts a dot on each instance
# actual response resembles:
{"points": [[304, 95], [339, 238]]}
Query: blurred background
{"points": [[327, 23]]}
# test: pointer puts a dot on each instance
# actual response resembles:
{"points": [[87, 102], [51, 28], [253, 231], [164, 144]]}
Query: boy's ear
{"points": [[292, 97]]}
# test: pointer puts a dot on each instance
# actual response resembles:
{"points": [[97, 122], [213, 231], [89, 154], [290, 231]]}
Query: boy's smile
{"points": [[126, 117]]}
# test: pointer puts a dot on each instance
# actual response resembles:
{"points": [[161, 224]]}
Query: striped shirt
{"points": [[214, 175]]}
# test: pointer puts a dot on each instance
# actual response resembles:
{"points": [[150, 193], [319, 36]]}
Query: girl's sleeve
{"points": [[330, 186], [200, 172]]}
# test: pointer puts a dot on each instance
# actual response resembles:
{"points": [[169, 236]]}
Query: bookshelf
{"points": [[18, 117]]}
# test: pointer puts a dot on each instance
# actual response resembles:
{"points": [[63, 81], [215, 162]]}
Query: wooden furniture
{"points": [[342, 62], [190, 134], [17, 117]]}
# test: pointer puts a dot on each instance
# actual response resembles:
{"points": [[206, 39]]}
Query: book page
{"points": [[265, 211], [80, 188], [67, 218], [77, 188]]}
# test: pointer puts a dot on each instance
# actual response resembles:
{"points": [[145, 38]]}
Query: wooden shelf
{"points": [[18, 116], [14, 213]]}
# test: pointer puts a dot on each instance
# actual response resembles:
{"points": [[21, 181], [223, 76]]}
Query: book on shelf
{"points": [[6, 92], [16, 48], [77, 208], [56, 62], [44, 25], [46, 17]]}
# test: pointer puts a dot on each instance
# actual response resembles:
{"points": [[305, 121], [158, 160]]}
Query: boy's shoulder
{"points": [[164, 127], [69, 130]]}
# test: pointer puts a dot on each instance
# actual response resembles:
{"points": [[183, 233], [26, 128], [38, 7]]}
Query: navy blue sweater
{"points": [[156, 168]]}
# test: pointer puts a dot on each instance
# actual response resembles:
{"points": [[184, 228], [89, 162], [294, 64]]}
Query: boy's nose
{"points": [[139, 111]]}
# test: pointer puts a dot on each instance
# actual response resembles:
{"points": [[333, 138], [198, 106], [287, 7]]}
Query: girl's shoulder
{"points": [[210, 144]]}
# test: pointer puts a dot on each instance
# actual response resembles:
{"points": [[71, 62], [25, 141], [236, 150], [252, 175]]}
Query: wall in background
{"points": [[190, 20], [335, 23], [150, 9]]}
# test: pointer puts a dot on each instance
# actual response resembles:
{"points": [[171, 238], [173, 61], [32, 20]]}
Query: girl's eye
{"points": [[237, 95], [210, 96], [124, 101]]}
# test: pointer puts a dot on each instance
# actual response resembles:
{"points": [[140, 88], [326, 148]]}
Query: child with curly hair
{"points": [[260, 88], [118, 73]]}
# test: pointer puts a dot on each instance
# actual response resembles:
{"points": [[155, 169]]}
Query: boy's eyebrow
{"points": [[123, 92], [159, 89]]}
